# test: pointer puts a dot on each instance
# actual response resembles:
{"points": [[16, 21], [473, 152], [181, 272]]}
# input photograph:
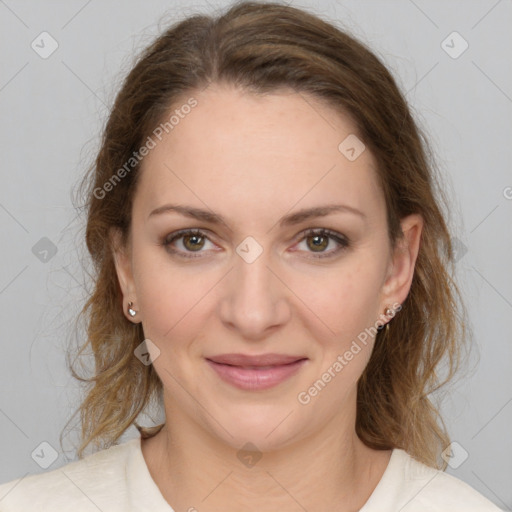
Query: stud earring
{"points": [[388, 312], [131, 311]]}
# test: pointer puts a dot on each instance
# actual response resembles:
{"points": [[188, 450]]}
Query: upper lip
{"points": [[258, 360]]}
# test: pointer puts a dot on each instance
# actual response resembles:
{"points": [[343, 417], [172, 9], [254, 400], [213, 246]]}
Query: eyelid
{"points": [[339, 238], [176, 235]]}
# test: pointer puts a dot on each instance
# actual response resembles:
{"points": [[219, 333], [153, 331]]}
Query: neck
{"points": [[330, 469]]}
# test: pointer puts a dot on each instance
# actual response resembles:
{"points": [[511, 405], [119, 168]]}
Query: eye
{"points": [[318, 240], [191, 240]]}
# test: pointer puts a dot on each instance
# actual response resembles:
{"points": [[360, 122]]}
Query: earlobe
{"points": [[399, 280], [123, 267]]}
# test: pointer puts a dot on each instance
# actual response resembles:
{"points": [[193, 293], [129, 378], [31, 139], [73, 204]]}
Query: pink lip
{"points": [[255, 372]]}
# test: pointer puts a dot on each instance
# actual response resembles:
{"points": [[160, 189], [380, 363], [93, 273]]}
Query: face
{"points": [[250, 266]]}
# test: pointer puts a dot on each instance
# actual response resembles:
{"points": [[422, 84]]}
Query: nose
{"points": [[255, 301]]}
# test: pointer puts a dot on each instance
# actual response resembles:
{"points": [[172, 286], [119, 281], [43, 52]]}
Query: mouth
{"points": [[255, 372]]}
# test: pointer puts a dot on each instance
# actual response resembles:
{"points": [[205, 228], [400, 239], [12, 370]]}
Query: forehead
{"points": [[251, 149]]}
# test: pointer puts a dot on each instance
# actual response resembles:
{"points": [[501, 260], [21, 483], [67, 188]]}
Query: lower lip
{"points": [[255, 379]]}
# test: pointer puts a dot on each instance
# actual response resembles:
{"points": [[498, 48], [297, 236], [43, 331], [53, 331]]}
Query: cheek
{"points": [[171, 305], [344, 300], [174, 319], [170, 297]]}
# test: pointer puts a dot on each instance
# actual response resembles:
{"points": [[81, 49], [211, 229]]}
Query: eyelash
{"points": [[338, 238]]}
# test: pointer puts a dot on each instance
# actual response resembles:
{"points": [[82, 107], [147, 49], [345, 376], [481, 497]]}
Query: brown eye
{"points": [[193, 242], [318, 242], [187, 243]]}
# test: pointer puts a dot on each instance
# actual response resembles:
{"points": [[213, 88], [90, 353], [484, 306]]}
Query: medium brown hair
{"points": [[262, 48]]}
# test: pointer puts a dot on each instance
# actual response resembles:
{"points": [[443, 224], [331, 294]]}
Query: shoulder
{"points": [[423, 488], [97, 481]]}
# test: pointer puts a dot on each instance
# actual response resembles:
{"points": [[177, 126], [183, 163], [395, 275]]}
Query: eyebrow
{"points": [[287, 220]]}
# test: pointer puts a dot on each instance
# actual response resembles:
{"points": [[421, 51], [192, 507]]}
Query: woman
{"points": [[272, 264]]}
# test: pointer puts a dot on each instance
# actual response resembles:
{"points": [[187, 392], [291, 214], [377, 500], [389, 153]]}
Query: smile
{"points": [[259, 375]]}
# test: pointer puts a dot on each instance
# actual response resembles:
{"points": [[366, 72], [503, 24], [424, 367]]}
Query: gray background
{"points": [[52, 111]]}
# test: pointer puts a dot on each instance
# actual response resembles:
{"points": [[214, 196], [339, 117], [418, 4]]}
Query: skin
{"points": [[254, 159]]}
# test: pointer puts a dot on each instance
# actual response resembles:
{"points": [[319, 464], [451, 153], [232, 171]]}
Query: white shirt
{"points": [[118, 480]]}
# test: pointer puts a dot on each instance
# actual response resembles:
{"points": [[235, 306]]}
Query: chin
{"points": [[267, 432]]}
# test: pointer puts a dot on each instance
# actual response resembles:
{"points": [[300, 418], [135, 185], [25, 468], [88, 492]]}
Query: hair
{"points": [[263, 48]]}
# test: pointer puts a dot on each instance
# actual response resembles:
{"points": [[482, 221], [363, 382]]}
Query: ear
{"points": [[401, 269], [123, 264]]}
